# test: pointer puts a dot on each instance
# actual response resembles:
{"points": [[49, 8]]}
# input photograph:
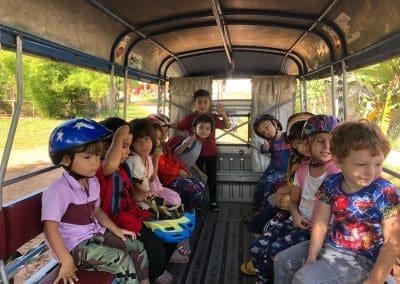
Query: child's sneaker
{"points": [[214, 206], [178, 257], [165, 278]]}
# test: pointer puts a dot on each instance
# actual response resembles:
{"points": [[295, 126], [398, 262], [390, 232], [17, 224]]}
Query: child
{"points": [[189, 149], [141, 163], [114, 176], [74, 224], [308, 178], [174, 174], [363, 241], [278, 211], [208, 155], [276, 145]]}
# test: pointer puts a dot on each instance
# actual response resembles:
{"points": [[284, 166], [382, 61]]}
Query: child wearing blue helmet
{"points": [[79, 233]]}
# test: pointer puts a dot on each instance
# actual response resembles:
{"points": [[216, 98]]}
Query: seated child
{"points": [[74, 225], [362, 243], [188, 150], [169, 196], [276, 145], [114, 177], [174, 174], [278, 211], [308, 177]]}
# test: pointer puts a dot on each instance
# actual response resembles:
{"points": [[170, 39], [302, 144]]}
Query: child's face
{"points": [[84, 164], [164, 133], [203, 130], [320, 149], [158, 136], [360, 168], [202, 105], [126, 144], [267, 129], [142, 146], [301, 146]]}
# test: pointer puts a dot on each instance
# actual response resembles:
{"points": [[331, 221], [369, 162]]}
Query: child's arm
{"points": [[113, 156], [56, 242], [199, 172], [279, 192], [221, 111], [298, 220], [110, 225], [389, 252], [184, 145], [318, 232]]}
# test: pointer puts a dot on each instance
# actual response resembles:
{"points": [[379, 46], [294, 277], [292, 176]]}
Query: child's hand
{"points": [[276, 199], [123, 234], [122, 132], [67, 272], [300, 222], [220, 109], [184, 174], [190, 140], [265, 146], [203, 176]]}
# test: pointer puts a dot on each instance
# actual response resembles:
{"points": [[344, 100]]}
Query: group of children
{"points": [[320, 210], [94, 213], [341, 224]]}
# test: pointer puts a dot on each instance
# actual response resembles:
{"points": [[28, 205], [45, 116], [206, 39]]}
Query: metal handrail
{"points": [[29, 175]]}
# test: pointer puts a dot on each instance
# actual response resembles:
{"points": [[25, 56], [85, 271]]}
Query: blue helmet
{"points": [[73, 134], [174, 230], [319, 124]]}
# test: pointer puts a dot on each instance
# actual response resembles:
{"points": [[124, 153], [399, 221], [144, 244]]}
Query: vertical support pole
{"points": [[333, 91], [160, 99], [304, 84], [125, 92], [16, 114], [345, 98], [111, 94]]}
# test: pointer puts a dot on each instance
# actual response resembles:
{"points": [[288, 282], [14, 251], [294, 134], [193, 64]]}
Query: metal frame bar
{"points": [[133, 29], [344, 91], [14, 121], [333, 91], [223, 32], [314, 24]]}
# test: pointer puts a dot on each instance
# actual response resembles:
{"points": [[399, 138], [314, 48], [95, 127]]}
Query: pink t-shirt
{"points": [[66, 202]]}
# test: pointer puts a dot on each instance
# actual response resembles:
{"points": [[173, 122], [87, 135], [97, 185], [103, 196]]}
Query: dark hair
{"points": [[299, 116], [355, 136], [203, 118], [295, 130], [201, 93], [141, 128], [264, 117], [112, 123]]}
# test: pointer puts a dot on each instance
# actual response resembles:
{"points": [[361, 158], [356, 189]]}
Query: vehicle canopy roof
{"points": [[162, 39]]}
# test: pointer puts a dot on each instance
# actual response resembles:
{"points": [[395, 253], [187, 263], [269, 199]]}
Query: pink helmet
{"points": [[159, 118]]}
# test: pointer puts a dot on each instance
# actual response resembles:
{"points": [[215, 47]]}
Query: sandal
{"points": [[248, 268]]}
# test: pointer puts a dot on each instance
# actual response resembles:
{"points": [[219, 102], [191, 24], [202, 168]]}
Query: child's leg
{"points": [[134, 248], [288, 261], [211, 172], [158, 253], [191, 191], [280, 237], [334, 267], [91, 254]]}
